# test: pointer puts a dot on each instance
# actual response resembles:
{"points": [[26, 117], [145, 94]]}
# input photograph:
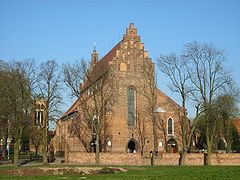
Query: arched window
{"points": [[39, 115], [131, 97], [170, 126]]}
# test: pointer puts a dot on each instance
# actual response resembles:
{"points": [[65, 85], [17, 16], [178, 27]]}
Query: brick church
{"points": [[133, 111]]}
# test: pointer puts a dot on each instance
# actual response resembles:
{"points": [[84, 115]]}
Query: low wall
{"points": [[136, 159], [226, 159], [108, 158]]}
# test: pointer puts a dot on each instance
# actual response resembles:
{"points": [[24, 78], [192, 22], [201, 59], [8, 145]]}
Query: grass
{"points": [[148, 172]]}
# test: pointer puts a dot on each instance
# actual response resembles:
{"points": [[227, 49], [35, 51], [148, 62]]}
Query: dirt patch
{"points": [[46, 171]]}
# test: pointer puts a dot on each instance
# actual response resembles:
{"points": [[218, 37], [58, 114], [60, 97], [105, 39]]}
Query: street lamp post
{"points": [[96, 129], [9, 139], [8, 147]]}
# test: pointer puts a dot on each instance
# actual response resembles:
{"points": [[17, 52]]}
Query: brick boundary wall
{"points": [[84, 158]]}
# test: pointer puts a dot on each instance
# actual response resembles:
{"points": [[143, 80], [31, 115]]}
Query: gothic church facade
{"points": [[137, 103]]}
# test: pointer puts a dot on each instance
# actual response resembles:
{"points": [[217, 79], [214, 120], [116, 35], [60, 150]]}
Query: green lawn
{"points": [[148, 172]]}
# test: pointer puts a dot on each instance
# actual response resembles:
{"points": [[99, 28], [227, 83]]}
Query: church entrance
{"points": [[172, 146], [132, 146]]}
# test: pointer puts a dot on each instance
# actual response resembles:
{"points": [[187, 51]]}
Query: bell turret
{"points": [[94, 56]]}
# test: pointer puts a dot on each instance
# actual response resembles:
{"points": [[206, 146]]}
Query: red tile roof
{"points": [[101, 67]]}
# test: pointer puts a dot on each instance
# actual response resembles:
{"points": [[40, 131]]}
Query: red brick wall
{"points": [[226, 159], [137, 160]]}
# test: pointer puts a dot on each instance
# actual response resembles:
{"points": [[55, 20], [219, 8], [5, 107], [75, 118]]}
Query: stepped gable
{"points": [[131, 47], [130, 40]]}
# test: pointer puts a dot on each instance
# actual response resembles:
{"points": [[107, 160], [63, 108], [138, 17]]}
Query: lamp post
{"points": [[8, 147], [96, 130], [155, 142], [9, 139]]}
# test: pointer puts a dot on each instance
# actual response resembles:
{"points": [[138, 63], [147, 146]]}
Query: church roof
{"points": [[101, 67]]}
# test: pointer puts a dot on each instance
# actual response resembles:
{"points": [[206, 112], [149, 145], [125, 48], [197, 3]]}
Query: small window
{"points": [[123, 67], [41, 118], [37, 117], [170, 126]]}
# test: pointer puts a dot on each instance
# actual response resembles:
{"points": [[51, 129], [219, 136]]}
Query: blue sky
{"points": [[66, 30]]}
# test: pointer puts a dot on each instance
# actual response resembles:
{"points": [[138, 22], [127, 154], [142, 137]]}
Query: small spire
{"points": [[94, 46], [131, 25], [94, 55]]}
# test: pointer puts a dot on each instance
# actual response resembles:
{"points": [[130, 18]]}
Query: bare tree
{"points": [[208, 78], [35, 131], [100, 101], [49, 88], [74, 75], [199, 76], [19, 83], [95, 97], [140, 131], [149, 91], [175, 68], [20, 101], [5, 106], [81, 129], [161, 125], [226, 112]]}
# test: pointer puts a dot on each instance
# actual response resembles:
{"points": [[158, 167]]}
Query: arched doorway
{"points": [[132, 146], [172, 146]]}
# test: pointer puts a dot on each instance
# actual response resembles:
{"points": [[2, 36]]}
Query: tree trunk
{"points": [[209, 140], [165, 142], [228, 138], [207, 158], [97, 149], [36, 151], [45, 158], [142, 151], [16, 151], [45, 139], [16, 145], [182, 158], [155, 143]]}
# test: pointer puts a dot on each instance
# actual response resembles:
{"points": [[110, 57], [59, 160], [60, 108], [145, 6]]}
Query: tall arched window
{"points": [[170, 126], [131, 97]]}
